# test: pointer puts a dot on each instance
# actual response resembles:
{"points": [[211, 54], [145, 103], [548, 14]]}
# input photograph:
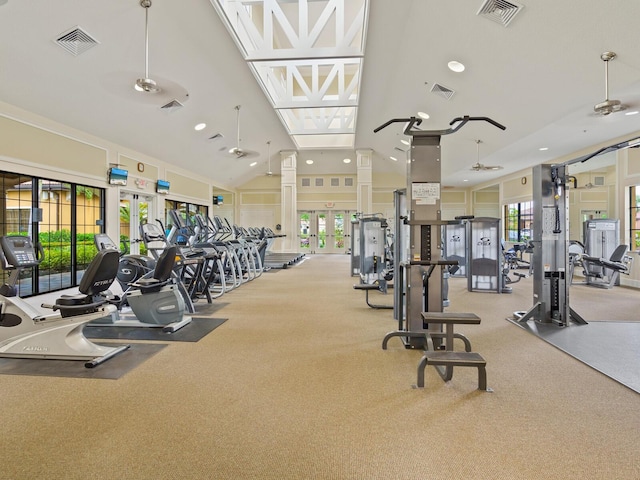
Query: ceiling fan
{"points": [[479, 167], [269, 172], [608, 106], [146, 84], [236, 151]]}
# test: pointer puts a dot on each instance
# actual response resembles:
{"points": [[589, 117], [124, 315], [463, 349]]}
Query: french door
{"points": [[134, 210], [324, 231]]}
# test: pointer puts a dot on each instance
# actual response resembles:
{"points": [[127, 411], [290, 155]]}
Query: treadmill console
{"points": [[18, 251]]}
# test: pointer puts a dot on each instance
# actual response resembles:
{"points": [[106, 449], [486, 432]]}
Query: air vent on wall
{"points": [[500, 11], [335, 182], [306, 182], [319, 182], [172, 106], [76, 41], [348, 182], [598, 181], [442, 91]]}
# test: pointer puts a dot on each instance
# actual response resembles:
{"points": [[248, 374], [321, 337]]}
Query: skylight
{"points": [[307, 57]]}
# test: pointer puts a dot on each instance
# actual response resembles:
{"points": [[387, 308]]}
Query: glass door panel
{"points": [[322, 231], [338, 232], [304, 233]]}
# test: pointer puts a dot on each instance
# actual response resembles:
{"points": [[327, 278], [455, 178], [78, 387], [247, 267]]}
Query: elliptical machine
{"points": [[26, 333], [152, 295]]}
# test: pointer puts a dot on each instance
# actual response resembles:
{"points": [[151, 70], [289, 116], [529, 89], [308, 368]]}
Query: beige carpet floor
{"points": [[295, 385]]}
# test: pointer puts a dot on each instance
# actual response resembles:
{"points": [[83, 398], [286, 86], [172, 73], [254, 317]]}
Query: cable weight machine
{"points": [[550, 258]]}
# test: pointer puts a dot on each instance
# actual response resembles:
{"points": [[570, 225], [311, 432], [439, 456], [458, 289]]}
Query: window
{"points": [[518, 222], [63, 217], [634, 217], [186, 211]]}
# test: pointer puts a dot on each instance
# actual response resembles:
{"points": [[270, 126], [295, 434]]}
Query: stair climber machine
{"points": [[26, 333], [420, 285], [151, 297]]}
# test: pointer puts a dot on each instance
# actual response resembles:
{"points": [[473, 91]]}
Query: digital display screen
{"points": [[162, 187], [118, 176], [218, 200]]}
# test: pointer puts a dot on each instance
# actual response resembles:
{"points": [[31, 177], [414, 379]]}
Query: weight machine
{"points": [[419, 264], [372, 252], [550, 258]]}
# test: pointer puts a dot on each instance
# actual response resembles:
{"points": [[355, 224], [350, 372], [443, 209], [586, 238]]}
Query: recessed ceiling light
{"points": [[394, 159], [423, 115], [253, 164], [406, 142], [543, 149], [309, 162], [633, 112], [200, 126], [455, 66], [347, 160], [465, 180]]}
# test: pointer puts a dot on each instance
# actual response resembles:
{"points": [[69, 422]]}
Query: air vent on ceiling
{"points": [[306, 182], [500, 11], [442, 91], [335, 182], [348, 182], [172, 106], [319, 182], [76, 41]]}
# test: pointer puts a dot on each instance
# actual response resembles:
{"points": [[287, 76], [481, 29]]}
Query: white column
{"points": [[365, 180], [288, 202]]}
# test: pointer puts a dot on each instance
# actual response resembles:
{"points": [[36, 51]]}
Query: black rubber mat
{"points": [[112, 369], [612, 348], [193, 332]]}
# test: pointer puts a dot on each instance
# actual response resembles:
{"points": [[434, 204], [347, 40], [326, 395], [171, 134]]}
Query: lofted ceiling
{"points": [[540, 76]]}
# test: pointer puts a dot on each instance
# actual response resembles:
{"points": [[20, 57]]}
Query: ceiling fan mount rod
{"points": [[146, 84], [606, 58]]}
